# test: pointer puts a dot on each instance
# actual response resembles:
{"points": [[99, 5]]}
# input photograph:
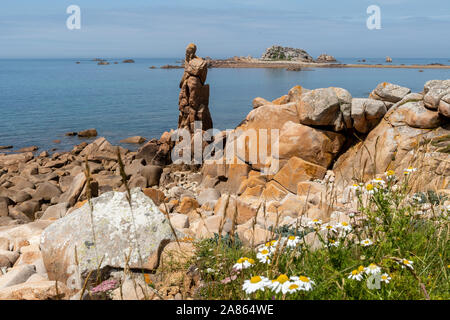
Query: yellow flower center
{"points": [[405, 262], [282, 278], [390, 173], [369, 187], [293, 286], [372, 266], [332, 241], [355, 272], [291, 238], [255, 279], [384, 277], [264, 251], [241, 260], [251, 261], [304, 279], [344, 224], [361, 268]]}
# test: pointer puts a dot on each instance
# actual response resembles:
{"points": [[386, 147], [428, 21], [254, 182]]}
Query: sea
{"points": [[42, 99]]}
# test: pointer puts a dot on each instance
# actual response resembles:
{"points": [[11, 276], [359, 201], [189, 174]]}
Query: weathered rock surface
{"points": [[16, 275], [310, 144], [367, 113], [389, 92], [140, 233], [409, 134], [37, 290], [297, 170], [321, 107]]}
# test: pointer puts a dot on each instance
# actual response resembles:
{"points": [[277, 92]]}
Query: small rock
{"points": [[152, 173], [156, 195], [134, 140], [28, 149], [16, 275], [88, 133], [46, 191], [187, 205], [209, 195], [42, 290], [179, 221], [55, 212]]}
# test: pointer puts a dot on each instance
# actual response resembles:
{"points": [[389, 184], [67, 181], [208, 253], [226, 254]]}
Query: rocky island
{"points": [[286, 57]]}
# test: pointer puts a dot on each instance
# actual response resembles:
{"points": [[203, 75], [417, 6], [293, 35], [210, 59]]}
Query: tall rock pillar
{"points": [[194, 94]]}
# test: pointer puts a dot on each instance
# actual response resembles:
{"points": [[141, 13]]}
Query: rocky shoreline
{"points": [[107, 210]]}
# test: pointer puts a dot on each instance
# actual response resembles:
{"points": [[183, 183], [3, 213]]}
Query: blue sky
{"points": [[162, 28]]}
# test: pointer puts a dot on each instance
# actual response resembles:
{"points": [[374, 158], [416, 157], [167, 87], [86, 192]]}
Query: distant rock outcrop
{"points": [[326, 58], [286, 53]]}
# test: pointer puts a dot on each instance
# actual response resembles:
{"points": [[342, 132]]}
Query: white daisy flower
{"points": [[345, 226], [292, 241], [315, 223], [370, 189], [329, 228], [390, 175], [366, 242], [271, 245], [243, 263], [356, 187], [333, 243], [264, 251], [407, 263], [290, 287], [305, 283], [265, 259], [357, 274], [277, 284], [385, 278], [372, 269], [409, 170], [254, 284], [378, 182]]}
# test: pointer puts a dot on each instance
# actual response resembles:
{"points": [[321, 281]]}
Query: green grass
{"points": [[388, 217]]}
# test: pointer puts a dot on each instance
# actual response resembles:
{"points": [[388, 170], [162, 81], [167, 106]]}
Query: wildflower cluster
{"points": [[390, 235]]}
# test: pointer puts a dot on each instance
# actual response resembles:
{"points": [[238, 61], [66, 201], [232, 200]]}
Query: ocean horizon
{"points": [[43, 98]]}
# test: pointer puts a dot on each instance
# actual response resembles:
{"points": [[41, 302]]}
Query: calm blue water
{"points": [[40, 100]]}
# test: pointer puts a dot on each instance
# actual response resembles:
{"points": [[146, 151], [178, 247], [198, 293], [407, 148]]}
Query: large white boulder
{"points": [[117, 232]]}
